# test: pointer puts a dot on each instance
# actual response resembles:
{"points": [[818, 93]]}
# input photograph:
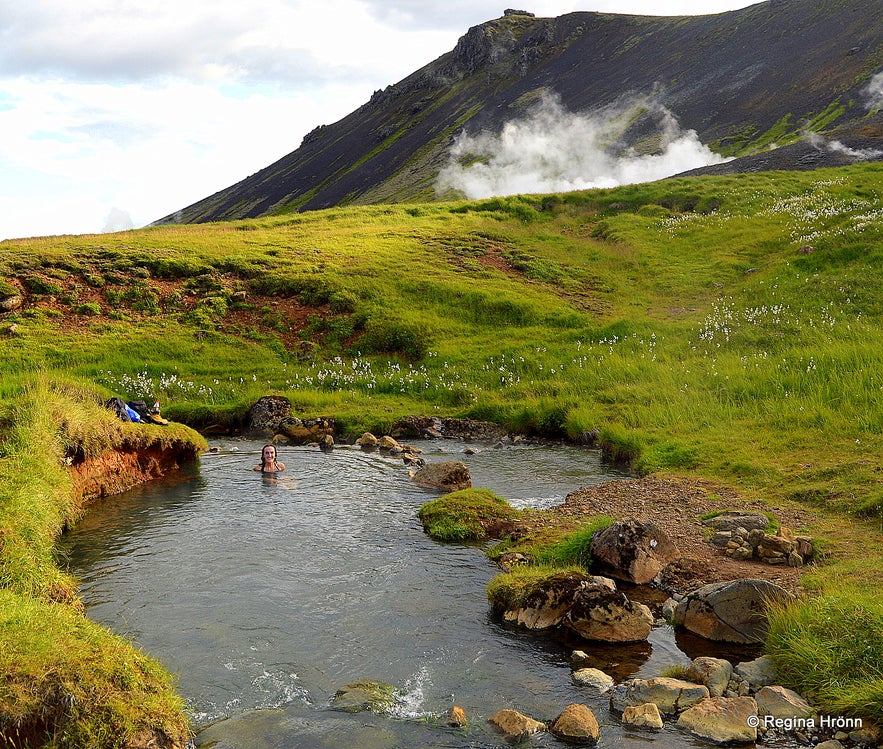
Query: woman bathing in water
{"points": [[269, 461]]}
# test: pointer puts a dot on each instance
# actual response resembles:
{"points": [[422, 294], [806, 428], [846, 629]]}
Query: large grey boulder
{"points": [[451, 476], [364, 695], [632, 550], [723, 720], [730, 611]]}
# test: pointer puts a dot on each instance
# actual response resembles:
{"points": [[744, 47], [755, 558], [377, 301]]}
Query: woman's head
{"points": [[268, 454]]}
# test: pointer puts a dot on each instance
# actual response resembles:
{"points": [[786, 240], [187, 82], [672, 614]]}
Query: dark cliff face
{"points": [[735, 78]]}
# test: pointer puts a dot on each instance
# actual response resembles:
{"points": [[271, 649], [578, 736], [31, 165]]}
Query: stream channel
{"points": [[266, 596]]}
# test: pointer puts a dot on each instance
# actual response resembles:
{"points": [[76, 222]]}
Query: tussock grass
{"points": [[465, 515], [830, 648]]}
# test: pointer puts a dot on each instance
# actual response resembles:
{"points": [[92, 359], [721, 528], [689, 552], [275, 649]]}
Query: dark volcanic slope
{"points": [[740, 79]]}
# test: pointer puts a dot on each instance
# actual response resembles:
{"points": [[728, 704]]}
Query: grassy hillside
{"points": [[730, 327]]}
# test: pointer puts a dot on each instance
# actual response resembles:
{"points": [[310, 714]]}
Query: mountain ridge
{"points": [[742, 80]]}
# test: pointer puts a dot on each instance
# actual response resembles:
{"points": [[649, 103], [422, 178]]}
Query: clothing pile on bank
{"points": [[137, 411]]}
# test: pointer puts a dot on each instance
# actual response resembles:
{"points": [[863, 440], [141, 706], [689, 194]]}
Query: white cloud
{"points": [[554, 150]]}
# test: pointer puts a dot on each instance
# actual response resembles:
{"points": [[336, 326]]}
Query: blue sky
{"points": [[114, 113]]}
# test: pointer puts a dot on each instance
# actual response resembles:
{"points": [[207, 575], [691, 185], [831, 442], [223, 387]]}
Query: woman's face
{"points": [[269, 453]]}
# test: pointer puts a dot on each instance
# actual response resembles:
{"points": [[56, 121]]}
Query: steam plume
{"points": [[117, 220], [874, 92], [554, 150]]}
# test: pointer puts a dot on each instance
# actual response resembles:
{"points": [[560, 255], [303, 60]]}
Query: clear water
{"points": [[265, 596]]}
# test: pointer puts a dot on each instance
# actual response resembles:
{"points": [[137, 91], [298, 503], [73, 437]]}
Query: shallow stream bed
{"points": [[267, 595]]}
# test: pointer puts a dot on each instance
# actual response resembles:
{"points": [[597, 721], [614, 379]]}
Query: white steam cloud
{"points": [[554, 150], [874, 91], [117, 220], [835, 146]]}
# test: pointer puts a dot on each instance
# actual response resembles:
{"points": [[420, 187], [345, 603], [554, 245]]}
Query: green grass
{"points": [[65, 681], [831, 649], [723, 327]]}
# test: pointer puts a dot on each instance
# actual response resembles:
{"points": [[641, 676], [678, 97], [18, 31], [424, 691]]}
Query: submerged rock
{"points": [[364, 695]]}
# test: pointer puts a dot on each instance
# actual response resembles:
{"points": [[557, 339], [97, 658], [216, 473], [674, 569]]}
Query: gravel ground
{"points": [[676, 505]]}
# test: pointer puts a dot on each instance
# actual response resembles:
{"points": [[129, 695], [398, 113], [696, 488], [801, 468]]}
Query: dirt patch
{"points": [[676, 506]]}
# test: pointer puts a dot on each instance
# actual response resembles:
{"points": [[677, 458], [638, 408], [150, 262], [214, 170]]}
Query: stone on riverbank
{"points": [[515, 726], [761, 672], [367, 441], [782, 703], [646, 716], [265, 415], [451, 476], [722, 720], [576, 725], [714, 673], [604, 615], [632, 550], [669, 695], [730, 611]]}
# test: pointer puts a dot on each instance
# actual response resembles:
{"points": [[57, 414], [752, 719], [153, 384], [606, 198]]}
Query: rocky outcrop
{"points": [[732, 519], [450, 476], [305, 431], [590, 606], [632, 550], [576, 725], [782, 548], [722, 720], [730, 611]]}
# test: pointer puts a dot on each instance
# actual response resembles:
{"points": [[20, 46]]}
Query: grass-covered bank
{"points": [[65, 681], [726, 327]]}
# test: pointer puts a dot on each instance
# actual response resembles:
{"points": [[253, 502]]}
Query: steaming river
{"points": [[267, 596]]}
